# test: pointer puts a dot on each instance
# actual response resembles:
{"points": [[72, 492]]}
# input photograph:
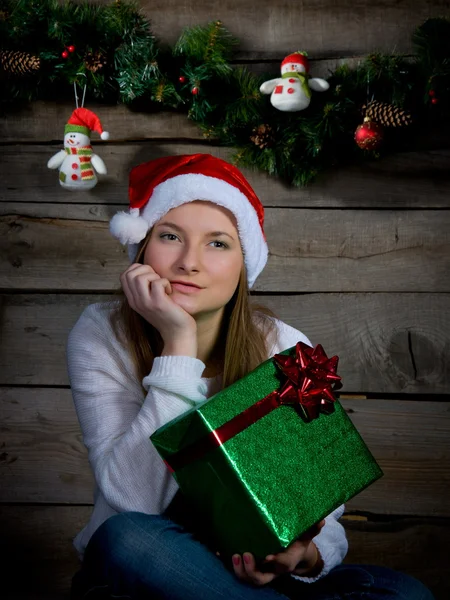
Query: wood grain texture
{"points": [[387, 343], [43, 459], [39, 539], [268, 29], [412, 546], [51, 247], [404, 180], [43, 122]]}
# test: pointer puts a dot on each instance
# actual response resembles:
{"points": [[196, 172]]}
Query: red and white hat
{"points": [[84, 121], [157, 186], [297, 58]]}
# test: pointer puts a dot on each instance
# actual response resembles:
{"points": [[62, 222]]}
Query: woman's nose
{"points": [[189, 260]]}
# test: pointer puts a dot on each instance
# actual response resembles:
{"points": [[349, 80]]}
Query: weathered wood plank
{"points": [[405, 545], [43, 459], [387, 343], [404, 180], [43, 122], [310, 250], [270, 29], [39, 538], [411, 442]]}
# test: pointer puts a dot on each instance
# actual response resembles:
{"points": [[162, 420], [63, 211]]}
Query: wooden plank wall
{"points": [[359, 262]]}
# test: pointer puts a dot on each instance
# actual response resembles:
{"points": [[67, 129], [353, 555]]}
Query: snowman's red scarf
{"points": [[84, 154]]}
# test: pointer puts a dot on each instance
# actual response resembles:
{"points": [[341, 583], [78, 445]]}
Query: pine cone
{"points": [[263, 136], [93, 61], [16, 62], [387, 114]]}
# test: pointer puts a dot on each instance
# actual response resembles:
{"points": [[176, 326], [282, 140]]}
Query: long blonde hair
{"points": [[248, 330]]}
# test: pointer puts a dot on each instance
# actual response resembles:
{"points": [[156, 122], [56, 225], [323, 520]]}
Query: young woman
{"points": [[184, 329]]}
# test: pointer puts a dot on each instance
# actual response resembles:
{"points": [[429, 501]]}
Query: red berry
{"points": [[194, 91], [434, 100], [64, 54], [182, 79], [431, 93], [71, 48]]}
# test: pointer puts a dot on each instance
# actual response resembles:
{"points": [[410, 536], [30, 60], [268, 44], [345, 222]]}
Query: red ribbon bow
{"points": [[311, 378]]}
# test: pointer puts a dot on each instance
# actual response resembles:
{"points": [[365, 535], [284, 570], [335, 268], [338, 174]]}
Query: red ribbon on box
{"points": [[310, 381]]}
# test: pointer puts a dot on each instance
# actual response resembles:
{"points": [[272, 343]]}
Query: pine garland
{"points": [[52, 41]]}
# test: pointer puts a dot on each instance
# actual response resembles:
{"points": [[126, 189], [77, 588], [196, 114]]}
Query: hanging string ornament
{"points": [[77, 163], [369, 135]]}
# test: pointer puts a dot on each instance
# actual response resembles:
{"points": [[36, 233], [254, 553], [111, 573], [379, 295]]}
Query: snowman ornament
{"points": [[77, 163], [292, 91]]}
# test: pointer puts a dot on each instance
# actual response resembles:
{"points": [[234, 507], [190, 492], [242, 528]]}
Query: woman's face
{"points": [[197, 243]]}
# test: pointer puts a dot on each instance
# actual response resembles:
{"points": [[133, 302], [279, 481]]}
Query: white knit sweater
{"points": [[117, 420]]}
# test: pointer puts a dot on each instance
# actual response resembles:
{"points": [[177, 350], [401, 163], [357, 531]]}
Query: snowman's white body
{"points": [[287, 93], [70, 164]]}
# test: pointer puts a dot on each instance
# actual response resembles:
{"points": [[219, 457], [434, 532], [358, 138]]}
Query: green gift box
{"points": [[269, 456]]}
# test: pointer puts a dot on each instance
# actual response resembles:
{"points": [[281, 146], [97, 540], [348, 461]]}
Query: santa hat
{"points": [[160, 185], [84, 121], [298, 58]]}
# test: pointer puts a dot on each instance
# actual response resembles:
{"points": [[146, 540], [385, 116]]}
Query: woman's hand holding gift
{"points": [[301, 558]]}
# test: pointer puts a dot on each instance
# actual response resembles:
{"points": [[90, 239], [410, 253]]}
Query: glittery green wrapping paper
{"points": [[269, 483]]}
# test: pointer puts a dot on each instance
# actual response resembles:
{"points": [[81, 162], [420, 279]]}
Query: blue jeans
{"points": [[141, 557]]}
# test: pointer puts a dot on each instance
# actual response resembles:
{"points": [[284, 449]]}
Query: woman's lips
{"points": [[182, 287]]}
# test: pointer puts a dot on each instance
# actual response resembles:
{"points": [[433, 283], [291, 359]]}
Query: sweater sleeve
{"points": [[331, 542], [117, 419]]}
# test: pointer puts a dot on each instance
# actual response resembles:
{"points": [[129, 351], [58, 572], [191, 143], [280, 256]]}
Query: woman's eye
{"points": [[172, 237]]}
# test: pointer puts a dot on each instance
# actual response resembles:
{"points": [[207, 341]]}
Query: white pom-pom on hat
{"points": [[128, 227], [105, 135]]}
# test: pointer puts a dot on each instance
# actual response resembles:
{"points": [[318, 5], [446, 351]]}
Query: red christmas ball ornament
{"points": [[181, 78], [64, 54], [71, 48], [369, 135], [195, 91]]}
